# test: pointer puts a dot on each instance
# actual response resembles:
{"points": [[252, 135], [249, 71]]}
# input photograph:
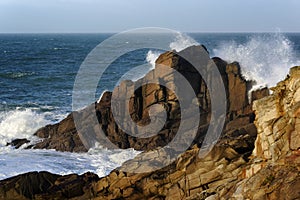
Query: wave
{"points": [[59, 48], [20, 123], [15, 75], [264, 58]]}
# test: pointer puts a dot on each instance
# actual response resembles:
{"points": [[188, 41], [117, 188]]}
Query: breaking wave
{"points": [[264, 58]]}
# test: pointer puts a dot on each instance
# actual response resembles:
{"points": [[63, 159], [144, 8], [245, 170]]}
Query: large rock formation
{"points": [[64, 136], [257, 156]]}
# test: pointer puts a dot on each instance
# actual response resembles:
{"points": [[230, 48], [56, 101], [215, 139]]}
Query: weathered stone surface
{"points": [[237, 88], [277, 120], [272, 182]]}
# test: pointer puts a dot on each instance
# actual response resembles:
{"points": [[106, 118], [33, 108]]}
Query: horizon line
{"points": [[112, 32]]}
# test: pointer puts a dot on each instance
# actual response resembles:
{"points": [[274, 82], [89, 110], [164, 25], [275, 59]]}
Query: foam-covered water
{"points": [[100, 161], [37, 74], [20, 124]]}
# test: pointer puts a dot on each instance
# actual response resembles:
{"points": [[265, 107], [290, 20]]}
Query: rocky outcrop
{"points": [[257, 156], [64, 136], [271, 172]]}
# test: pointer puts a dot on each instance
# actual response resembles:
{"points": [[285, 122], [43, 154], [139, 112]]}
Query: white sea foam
{"points": [[99, 161], [20, 123], [264, 58]]}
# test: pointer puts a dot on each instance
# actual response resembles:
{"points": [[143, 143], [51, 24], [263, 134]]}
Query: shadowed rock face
{"points": [[257, 156], [44, 185]]}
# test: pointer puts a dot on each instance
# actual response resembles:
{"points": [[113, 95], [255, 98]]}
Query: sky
{"points": [[89, 16]]}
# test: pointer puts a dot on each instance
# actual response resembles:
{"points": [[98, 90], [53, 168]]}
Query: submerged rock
{"points": [[17, 143]]}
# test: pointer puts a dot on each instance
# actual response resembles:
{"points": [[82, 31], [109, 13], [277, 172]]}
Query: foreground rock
{"points": [[44, 185]]}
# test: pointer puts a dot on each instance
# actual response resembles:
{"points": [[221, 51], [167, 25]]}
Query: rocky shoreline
{"points": [[257, 156]]}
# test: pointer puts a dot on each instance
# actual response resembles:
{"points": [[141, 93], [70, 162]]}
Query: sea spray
{"points": [[264, 58], [180, 42], [152, 57]]}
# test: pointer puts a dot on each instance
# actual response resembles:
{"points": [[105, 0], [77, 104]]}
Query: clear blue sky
{"points": [[118, 15]]}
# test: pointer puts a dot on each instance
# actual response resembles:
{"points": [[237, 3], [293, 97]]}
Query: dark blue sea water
{"points": [[39, 69], [37, 73]]}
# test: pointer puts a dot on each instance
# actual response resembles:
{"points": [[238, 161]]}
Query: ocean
{"points": [[37, 74]]}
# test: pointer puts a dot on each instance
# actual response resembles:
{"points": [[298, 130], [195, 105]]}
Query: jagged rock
{"points": [[273, 182]]}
